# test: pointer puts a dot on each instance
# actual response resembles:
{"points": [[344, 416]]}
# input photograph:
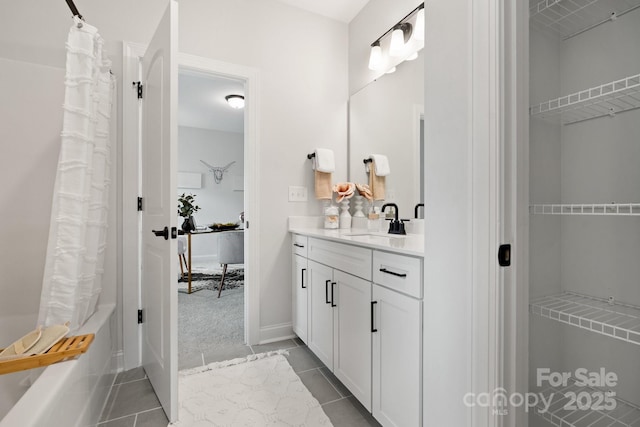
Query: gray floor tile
{"points": [[130, 375], [298, 341], [279, 345], [226, 353], [302, 359], [155, 418], [319, 387], [110, 401], [344, 392], [130, 398], [120, 422], [348, 413]]}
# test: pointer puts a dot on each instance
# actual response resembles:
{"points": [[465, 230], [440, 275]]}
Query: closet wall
{"points": [[596, 161]]}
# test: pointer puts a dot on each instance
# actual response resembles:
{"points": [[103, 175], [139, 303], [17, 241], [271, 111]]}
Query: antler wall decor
{"points": [[217, 171]]}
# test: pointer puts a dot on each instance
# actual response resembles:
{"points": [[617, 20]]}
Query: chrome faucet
{"points": [[395, 226]]}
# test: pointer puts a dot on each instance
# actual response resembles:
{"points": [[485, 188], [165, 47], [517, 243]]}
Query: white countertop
{"points": [[410, 244]]}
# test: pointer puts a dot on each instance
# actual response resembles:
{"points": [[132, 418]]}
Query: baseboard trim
{"points": [[277, 332], [117, 361]]}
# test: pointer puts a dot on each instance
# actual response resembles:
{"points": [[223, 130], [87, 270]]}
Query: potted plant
{"points": [[186, 209]]}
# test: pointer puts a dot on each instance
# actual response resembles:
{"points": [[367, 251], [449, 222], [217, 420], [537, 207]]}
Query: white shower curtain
{"points": [[72, 279]]}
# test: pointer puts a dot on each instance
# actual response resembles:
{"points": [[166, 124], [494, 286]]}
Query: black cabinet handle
{"points": [[373, 329], [384, 270], [332, 285], [302, 276], [326, 291], [298, 246]]}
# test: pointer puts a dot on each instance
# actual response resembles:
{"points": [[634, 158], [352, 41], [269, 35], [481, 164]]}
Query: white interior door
{"points": [[158, 153]]}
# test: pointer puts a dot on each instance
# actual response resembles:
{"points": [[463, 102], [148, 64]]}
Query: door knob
{"points": [[162, 233]]}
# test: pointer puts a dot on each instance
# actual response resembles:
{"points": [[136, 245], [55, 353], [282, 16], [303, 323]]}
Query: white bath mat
{"points": [[261, 390]]}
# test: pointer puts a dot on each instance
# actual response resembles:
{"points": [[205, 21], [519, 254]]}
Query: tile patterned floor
{"points": [[132, 402]]}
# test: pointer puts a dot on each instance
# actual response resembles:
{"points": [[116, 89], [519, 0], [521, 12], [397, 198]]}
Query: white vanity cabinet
{"points": [[397, 339], [364, 322], [339, 314], [300, 310]]}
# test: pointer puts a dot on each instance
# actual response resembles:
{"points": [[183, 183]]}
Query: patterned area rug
{"points": [[199, 281], [261, 390]]}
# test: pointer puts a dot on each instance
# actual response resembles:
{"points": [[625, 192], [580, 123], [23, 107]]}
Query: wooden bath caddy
{"points": [[65, 349]]}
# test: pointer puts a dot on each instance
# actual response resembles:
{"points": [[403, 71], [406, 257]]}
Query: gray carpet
{"points": [[207, 324]]}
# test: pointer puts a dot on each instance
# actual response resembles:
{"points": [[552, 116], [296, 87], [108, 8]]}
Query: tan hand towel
{"points": [[376, 183], [323, 185]]}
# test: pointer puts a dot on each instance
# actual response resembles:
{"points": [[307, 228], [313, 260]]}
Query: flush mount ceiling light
{"points": [[235, 101]]}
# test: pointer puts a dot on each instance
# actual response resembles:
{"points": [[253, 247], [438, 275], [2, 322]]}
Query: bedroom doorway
{"points": [[211, 152]]}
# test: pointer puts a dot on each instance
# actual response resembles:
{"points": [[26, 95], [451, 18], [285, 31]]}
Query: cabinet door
{"points": [[320, 312], [397, 352], [352, 352], [300, 287]]}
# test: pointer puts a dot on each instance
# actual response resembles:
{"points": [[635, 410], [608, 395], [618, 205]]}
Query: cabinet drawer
{"points": [[299, 245], [398, 272], [350, 259]]}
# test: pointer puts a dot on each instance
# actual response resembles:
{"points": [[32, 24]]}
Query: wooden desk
{"points": [[195, 233]]}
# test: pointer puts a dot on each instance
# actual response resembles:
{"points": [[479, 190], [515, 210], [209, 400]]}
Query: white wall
{"points": [[31, 116], [302, 61], [375, 18], [221, 202]]}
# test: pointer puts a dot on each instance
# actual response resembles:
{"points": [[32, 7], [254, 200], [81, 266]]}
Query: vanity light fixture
{"points": [[401, 42], [391, 70], [235, 101], [375, 58]]}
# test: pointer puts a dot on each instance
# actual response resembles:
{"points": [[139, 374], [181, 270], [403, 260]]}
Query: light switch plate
{"points": [[297, 193]]}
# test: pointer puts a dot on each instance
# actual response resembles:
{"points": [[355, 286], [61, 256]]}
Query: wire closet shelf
{"points": [[616, 320], [604, 100], [568, 18], [564, 412], [621, 209]]}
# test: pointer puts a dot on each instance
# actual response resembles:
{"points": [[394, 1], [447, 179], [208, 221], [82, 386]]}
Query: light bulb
{"points": [[411, 57], [397, 41], [391, 70], [419, 30], [375, 57], [400, 35]]}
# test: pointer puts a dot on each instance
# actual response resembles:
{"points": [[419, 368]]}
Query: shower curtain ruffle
{"points": [[72, 279]]}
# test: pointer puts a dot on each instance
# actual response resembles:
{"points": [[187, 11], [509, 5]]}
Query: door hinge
{"points": [[504, 255], [139, 316], [139, 204], [139, 86]]}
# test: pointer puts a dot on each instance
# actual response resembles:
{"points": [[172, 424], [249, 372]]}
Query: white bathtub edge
{"points": [[71, 393]]}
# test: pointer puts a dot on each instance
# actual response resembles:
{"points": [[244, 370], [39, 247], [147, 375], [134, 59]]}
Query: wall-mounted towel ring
{"points": [[311, 156]]}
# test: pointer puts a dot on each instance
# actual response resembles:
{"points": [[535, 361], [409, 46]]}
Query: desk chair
{"points": [[182, 249], [230, 251]]}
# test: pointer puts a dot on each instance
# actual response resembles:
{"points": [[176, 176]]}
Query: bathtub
{"points": [[70, 393]]}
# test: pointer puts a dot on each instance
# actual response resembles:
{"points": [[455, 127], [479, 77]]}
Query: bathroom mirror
{"points": [[385, 117]]}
